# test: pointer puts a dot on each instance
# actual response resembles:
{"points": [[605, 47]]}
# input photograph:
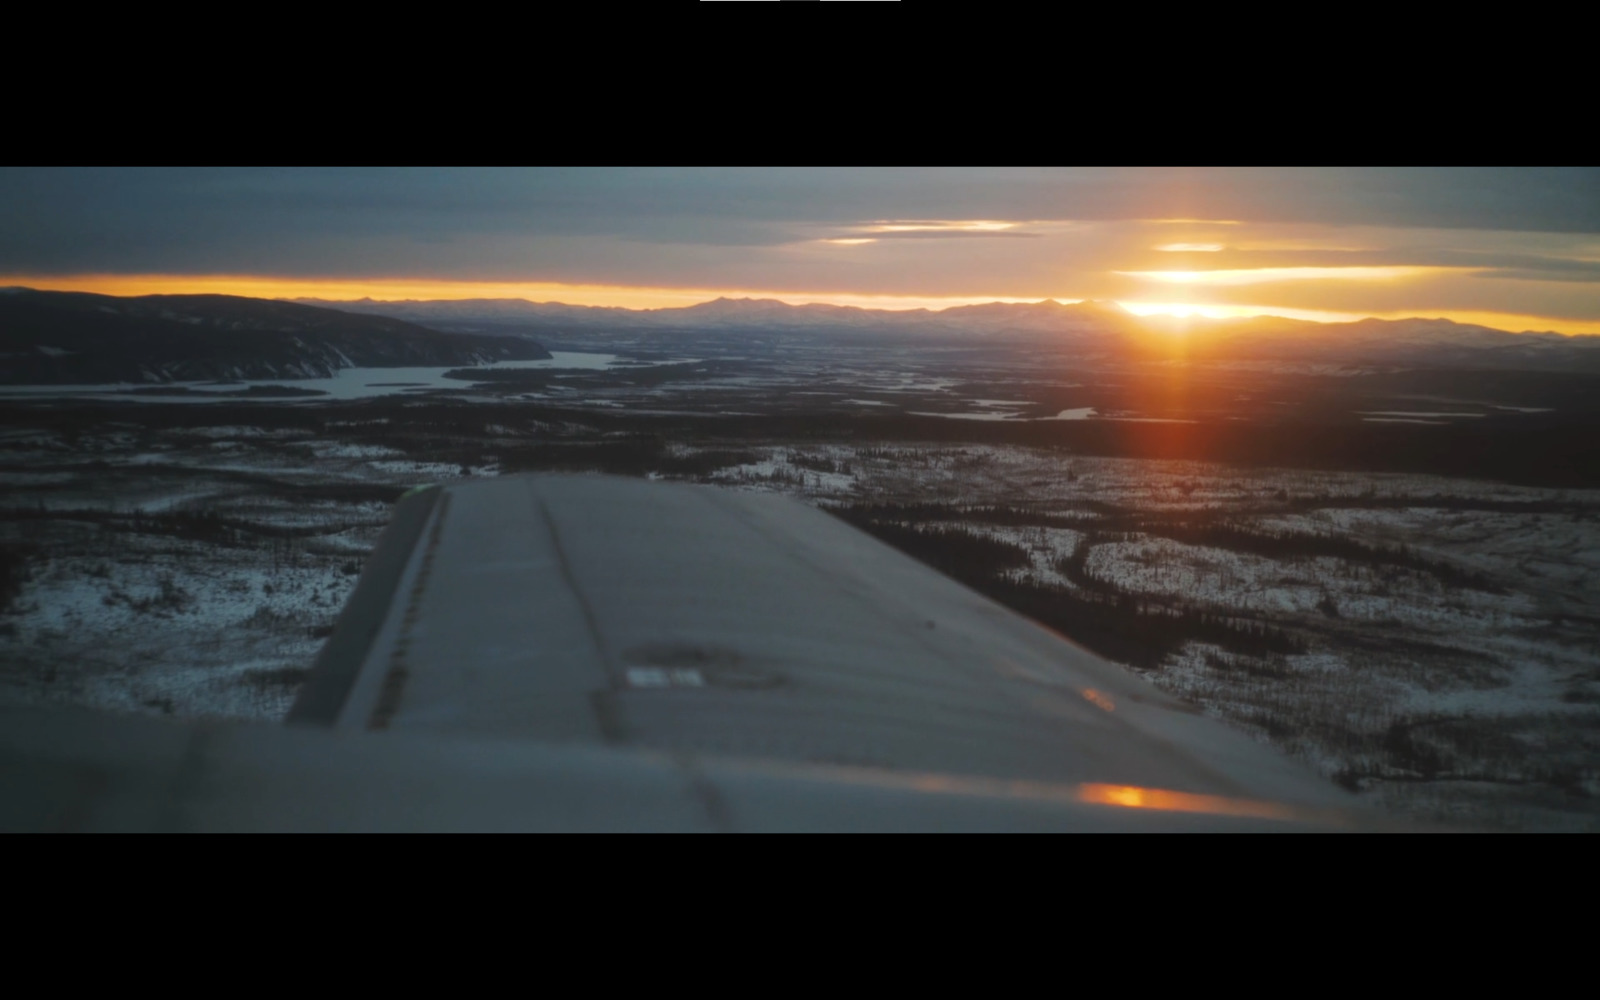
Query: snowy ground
{"points": [[195, 571], [1463, 688], [195, 574], [172, 627]]}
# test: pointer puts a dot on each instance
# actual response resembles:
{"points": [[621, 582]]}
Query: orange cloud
{"points": [[1260, 275]]}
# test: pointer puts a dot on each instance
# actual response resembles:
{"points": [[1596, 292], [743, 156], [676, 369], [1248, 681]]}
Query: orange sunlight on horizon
{"points": [[641, 297], [1512, 322], [393, 289]]}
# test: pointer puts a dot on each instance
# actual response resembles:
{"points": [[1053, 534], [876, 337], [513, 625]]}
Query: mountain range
{"points": [[58, 338], [76, 337], [1100, 328]]}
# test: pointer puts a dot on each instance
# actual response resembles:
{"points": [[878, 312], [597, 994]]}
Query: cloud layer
{"points": [[1433, 241]]}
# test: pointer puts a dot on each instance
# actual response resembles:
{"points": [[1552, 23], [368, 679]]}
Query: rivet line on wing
{"points": [[394, 681], [609, 725]]}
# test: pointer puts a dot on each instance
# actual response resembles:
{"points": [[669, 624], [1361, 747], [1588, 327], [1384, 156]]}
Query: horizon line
{"points": [[633, 298]]}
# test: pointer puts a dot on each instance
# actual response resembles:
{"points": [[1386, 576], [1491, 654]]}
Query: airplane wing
{"points": [[568, 652]]}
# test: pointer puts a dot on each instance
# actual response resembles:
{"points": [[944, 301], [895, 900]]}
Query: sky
{"points": [[1513, 248]]}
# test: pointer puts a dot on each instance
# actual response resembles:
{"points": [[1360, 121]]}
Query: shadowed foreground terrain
{"points": [[1426, 641]]}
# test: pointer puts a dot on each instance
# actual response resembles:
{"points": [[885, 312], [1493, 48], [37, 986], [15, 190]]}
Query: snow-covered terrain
{"points": [[1453, 673], [1451, 652]]}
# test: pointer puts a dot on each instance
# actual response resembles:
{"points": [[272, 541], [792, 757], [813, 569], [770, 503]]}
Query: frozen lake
{"points": [[347, 383]]}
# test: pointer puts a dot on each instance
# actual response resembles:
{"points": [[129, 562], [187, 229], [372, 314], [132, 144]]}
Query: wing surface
{"points": [[589, 652]]}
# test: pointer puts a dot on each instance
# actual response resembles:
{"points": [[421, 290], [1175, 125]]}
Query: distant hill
{"points": [[75, 337], [1103, 329], [489, 315]]}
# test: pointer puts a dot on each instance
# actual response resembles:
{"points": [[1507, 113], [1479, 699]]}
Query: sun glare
{"points": [[636, 297]]}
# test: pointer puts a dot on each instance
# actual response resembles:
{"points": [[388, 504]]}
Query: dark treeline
{"points": [[1119, 525], [1561, 391], [818, 463], [1306, 545], [14, 572], [634, 456], [1535, 449], [955, 552], [1111, 622], [105, 476], [1121, 627], [996, 514], [1441, 502], [197, 525], [520, 379]]}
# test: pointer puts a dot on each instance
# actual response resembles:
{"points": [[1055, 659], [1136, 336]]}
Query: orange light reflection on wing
{"points": [[1119, 796], [1134, 797], [1099, 699]]}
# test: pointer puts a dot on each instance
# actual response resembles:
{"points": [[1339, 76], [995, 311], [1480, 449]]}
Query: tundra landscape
{"points": [[1300, 549], [1272, 494]]}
